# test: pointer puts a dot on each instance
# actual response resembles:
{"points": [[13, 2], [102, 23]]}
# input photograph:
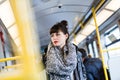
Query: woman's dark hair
{"points": [[60, 26]]}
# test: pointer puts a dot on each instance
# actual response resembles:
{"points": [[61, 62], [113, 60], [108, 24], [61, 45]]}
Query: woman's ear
{"points": [[66, 36]]}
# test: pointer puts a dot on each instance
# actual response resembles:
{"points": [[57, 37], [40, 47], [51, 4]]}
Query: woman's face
{"points": [[59, 39]]}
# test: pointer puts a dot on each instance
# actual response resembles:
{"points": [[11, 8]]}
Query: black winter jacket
{"points": [[94, 69]]}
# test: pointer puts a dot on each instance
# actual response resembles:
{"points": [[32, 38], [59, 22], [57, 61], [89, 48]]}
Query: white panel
{"points": [[17, 41], [78, 39], [101, 17], [6, 14], [114, 66], [13, 31], [88, 29]]}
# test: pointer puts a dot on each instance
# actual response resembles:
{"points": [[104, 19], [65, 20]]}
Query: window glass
{"points": [[95, 48], [112, 35], [90, 49], [112, 39]]}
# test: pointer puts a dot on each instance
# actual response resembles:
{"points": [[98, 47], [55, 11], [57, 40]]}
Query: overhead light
{"points": [[88, 29], [113, 5], [78, 39], [101, 17], [6, 14]]}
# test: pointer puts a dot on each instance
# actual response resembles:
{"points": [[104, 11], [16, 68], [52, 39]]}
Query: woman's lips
{"points": [[55, 42]]}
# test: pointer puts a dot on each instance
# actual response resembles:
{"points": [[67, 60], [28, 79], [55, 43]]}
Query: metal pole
{"points": [[98, 37]]}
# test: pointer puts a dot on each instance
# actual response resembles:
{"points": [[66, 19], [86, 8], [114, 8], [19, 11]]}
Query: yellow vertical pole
{"points": [[22, 13], [98, 37]]}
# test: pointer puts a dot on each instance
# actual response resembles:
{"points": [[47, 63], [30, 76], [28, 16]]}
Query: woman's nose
{"points": [[55, 37]]}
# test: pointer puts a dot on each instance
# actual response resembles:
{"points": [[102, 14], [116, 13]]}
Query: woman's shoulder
{"points": [[71, 44], [71, 47]]}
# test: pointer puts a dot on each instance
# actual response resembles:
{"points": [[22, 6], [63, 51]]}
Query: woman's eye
{"points": [[57, 34], [51, 35]]}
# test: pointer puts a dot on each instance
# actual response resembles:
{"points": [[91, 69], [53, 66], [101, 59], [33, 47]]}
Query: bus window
{"points": [[112, 38], [95, 49], [90, 49]]}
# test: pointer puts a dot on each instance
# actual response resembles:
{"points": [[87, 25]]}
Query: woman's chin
{"points": [[56, 45]]}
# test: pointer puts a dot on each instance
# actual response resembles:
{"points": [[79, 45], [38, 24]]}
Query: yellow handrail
{"points": [[81, 23], [99, 5], [10, 58], [111, 49]]}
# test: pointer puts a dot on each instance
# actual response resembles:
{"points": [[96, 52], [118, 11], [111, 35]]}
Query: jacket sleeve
{"points": [[90, 76]]}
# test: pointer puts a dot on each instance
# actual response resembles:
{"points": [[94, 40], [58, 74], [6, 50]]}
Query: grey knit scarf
{"points": [[61, 63]]}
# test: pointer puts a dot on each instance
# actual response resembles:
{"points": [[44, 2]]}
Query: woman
{"points": [[61, 54]]}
